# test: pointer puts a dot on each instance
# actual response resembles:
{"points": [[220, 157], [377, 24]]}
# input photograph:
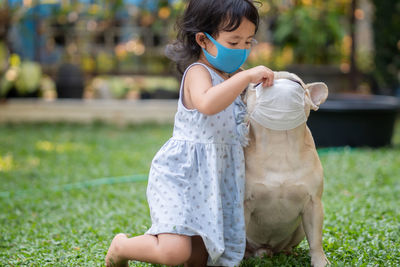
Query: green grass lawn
{"points": [[54, 211]]}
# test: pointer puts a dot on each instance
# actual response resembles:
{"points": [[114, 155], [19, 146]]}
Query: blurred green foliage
{"points": [[294, 32], [3, 56], [387, 44], [120, 87], [25, 77], [304, 32], [314, 34]]}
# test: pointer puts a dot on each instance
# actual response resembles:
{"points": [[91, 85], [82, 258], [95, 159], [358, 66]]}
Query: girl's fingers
{"points": [[270, 78], [267, 76], [264, 84], [268, 81]]}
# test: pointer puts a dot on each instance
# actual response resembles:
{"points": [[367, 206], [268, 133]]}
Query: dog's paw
{"points": [[261, 252], [319, 261]]}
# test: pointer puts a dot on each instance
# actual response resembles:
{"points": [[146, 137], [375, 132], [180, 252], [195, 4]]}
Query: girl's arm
{"points": [[209, 99]]}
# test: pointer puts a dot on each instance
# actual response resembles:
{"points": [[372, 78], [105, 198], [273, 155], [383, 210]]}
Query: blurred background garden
{"points": [[115, 48], [69, 182]]}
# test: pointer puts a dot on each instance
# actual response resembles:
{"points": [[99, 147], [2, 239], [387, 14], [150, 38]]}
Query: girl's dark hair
{"points": [[209, 16]]}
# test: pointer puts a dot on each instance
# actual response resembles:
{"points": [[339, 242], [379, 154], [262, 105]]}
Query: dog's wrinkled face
{"points": [[314, 93]]}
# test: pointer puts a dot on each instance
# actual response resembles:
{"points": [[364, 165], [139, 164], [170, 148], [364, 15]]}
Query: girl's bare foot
{"points": [[112, 257]]}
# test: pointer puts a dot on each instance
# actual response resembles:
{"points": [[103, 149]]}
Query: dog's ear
{"points": [[318, 93]]}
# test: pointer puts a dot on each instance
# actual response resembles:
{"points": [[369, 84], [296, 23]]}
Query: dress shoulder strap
{"points": [[212, 73]]}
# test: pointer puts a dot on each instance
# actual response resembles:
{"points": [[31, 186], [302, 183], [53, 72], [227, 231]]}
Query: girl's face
{"points": [[241, 38]]}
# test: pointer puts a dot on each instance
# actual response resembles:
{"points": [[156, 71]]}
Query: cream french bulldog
{"points": [[284, 176]]}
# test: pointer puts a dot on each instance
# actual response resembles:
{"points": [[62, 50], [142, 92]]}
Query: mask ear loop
{"points": [[254, 42], [209, 37], [307, 92]]}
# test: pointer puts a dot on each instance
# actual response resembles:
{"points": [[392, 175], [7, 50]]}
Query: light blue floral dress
{"points": [[196, 180]]}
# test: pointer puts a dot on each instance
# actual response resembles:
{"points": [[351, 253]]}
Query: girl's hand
{"points": [[261, 74]]}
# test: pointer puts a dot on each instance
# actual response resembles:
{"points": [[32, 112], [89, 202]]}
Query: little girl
{"points": [[196, 181]]}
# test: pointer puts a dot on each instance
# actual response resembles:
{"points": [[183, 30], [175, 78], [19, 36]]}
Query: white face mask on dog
{"points": [[281, 106]]}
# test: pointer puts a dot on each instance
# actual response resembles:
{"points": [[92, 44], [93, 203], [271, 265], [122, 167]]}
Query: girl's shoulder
{"points": [[200, 69], [198, 72]]}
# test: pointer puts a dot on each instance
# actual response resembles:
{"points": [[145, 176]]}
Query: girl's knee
{"points": [[176, 251], [116, 248], [118, 242]]}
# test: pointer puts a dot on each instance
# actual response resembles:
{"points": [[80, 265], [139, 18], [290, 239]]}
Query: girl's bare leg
{"points": [[199, 255], [168, 249]]}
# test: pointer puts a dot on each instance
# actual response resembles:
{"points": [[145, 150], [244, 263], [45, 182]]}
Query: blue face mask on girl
{"points": [[227, 60]]}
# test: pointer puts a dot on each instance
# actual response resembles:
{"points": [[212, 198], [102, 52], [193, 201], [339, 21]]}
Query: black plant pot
{"points": [[160, 94], [354, 120], [13, 93], [69, 81]]}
